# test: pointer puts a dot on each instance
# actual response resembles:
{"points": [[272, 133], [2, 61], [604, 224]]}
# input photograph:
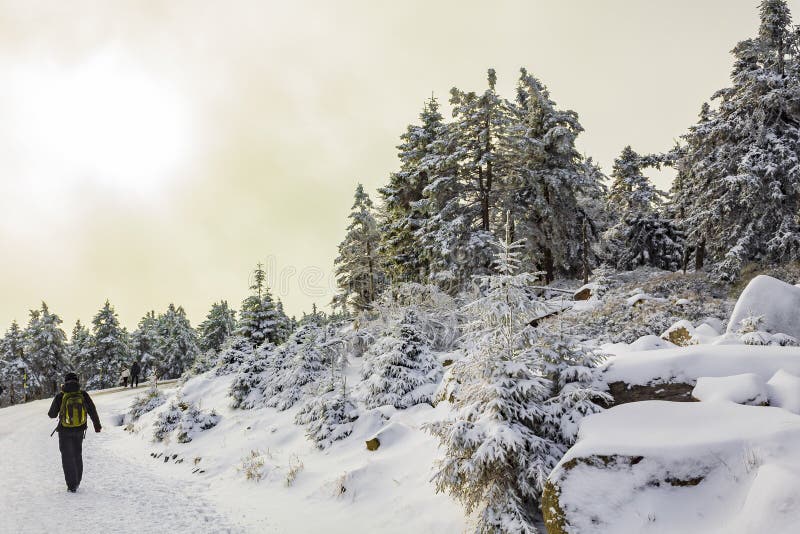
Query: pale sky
{"points": [[155, 151]]}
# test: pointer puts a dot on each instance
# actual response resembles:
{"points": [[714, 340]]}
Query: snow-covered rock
{"points": [[747, 388], [784, 391], [650, 342], [664, 467], [681, 333], [687, 364], [777, 302]]}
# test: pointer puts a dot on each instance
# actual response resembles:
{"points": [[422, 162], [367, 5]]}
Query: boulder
{"points": [[677, 467], [775, 301], [746, 388], [680, 334]]}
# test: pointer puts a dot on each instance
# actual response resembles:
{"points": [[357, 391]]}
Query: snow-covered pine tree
{"points": [[15, 366], [302, 362], [549, 176], [177, 342], [285, 326], [643, 234], [79, 350], [402, 213], [399, 369], [573, 372], [45, 351], [256, 367], [358, 266], [739, 172], [329, 414], [218, 325], [259, 319], [498, 454], [445, 236], [109, 350], [145, 345]]}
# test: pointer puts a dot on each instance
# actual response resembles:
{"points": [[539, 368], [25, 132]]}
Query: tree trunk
{"points": [[700, 255], [547, 264], [585, 253]]}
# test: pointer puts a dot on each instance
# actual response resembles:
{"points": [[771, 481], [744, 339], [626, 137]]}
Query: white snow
{"points": [[746, 388], [687, 364], [776, 301], [749, 480], [650, 342], [784, 391]]}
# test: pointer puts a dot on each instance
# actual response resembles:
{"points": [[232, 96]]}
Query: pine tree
{"points": [[109, 349], [358, 273], [219, 324], [573, 370], [549, 178], [402, 210], [80, 351], [329, 414], [15, 366], [259, 319], [498, 454], [302, 364], [643, 235], [145, 344], [738, 173], [399, 369], [177, 342], [45, 351]]}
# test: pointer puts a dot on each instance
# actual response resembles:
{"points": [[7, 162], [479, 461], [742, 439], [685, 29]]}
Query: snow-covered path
{"points": [[118, 494]]}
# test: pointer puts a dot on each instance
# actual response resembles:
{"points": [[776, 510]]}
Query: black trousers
{"points": [[134, 381], [70, 443]]}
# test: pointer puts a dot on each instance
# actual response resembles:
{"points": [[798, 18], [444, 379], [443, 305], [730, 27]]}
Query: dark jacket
{"points": [[69, 387], [135, 369]]}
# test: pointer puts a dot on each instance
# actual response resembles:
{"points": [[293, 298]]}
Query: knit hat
{"points": [[70, 377]]}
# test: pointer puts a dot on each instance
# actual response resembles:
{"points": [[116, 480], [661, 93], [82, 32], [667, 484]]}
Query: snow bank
{"points": [[687, 364], [784, 391], [746, 388], [662, 467], [778, 303]]}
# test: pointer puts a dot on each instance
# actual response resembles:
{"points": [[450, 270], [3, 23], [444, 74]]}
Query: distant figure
{"points": [[135, 370], [71, 406], [125, 375]]}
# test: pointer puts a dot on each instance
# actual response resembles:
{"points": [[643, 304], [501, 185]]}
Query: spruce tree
{"points": [[497, 450], [358, 272], [45, 351], [402, 209], [15, 366], [259, 319], [738, 173], [80, 351], [399, 369], [177, 342], [549, 176], [219, 324], [109, 349], [643, 235], [145, 344]]}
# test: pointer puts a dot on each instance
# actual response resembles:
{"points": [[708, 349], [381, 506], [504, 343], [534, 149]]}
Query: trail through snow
{"points": [[118, 494]]}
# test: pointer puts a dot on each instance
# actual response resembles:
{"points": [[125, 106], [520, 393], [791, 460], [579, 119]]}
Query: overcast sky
{"points": [[155, 151]]}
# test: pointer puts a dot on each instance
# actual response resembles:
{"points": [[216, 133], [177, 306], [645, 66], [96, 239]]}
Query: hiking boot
{"points": [[72, 490]]}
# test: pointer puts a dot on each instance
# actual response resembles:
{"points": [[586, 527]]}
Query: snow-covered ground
{"points": [[120, 492], [125, 489]]}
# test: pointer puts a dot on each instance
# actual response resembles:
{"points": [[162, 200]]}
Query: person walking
{"points": [[125, 375], [71, 406], [135, 370]]}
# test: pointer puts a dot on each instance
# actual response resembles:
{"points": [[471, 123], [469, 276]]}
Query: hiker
{"points": [[135, 370], [125, 375], [71, 406]]}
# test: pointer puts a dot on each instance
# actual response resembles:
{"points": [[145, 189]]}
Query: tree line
{"points": [[34, 357]]}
